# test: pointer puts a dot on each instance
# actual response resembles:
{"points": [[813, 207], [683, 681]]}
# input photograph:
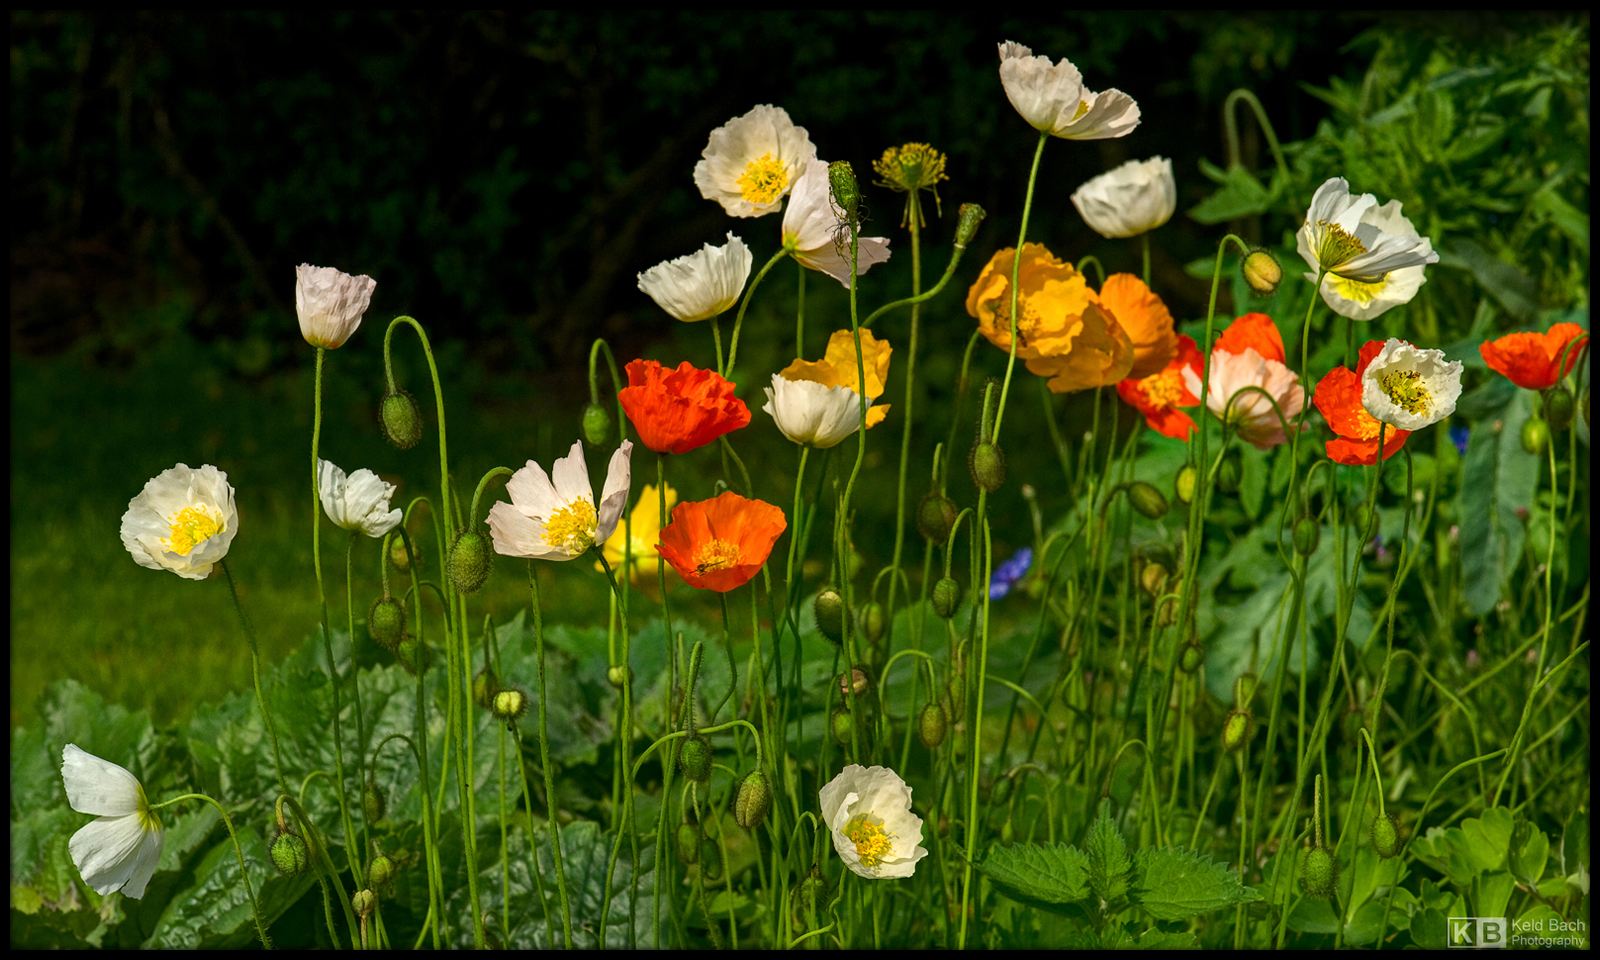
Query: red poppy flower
{"points": [[676, 411], [1530, 360], [1159, 395], [1253, 331], [1338, 397], [720, 544]]}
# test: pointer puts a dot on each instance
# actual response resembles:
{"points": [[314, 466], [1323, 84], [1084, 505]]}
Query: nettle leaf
{"points": [[1109, 865], [1242, 195], [1174, 884], [1497, 477], [1050, 873]]}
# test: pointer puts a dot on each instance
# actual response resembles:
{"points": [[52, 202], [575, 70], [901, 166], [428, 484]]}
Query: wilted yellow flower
{"points": [[642, 530], [837, 368]]}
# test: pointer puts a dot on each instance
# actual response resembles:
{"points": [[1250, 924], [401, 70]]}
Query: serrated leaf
{"points": [[1050, 873], [1313, 916], [1428, 929], [1497, 477], [1175, 884], [1512, 288], [1241, 195], [1109, 866]]}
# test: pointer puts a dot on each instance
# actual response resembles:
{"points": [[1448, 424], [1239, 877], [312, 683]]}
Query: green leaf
{"points": [[1362, 929], [1241, 195], [1513, 289], [1493, 891], [1313, 916], [1530, 850], [1174, 884], [1109, 865], [1487, 400], [1428, 929], [1488, 840], [1571, 221], [1042, 873], [1497, 477]]}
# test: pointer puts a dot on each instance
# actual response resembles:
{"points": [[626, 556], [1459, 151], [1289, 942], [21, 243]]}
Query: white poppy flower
{"points": [[330, 304], [1134, 198], [1410, 388], [813, 414], [868, 811], [358, 502], [183, 520], [553, 517], [120, 850], [1052, 98], [702, 284], [812, 231], [752, 161], [1355, 239]]}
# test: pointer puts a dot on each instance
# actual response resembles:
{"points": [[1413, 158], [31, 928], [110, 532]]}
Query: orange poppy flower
{"points": [[1338, 398], [1253, 331], [1146, 320], [676, 411], [1051, 299], [1159, 395], [1530, 360], [720, 544]]}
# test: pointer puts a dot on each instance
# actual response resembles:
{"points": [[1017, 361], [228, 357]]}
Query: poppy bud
{"points": [[1385, 836], [1146, 499], [1361, 517], [373, 801], [290, 854], [1168, 614], [509, 705], [1558, 407], [617, 674], [1235, 731], [843, 187], [988, 465], [857, 684], [1153, 579], [485, 685], [931, 725], [1229, 473], [386, 621], [1307, 535], [946, 597], [688, 844], [872, 621], [710, 860], [695, 755], [936, 514], [754, 799], [469, 561], [967, 220], [381, 872], [1244, 687], [400, 419], [596, 424], [413, 654], [1319, 874], [1183, 487], [1189, 660], [829, 611], [364, 902], [400, 557], [843, 726], [1262, 272], [1535, 436]]}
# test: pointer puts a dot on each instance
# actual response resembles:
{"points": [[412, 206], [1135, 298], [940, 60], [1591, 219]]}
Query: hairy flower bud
{"points": [[596, 424], [1307, 536], [936, 514], [509, 704], [1385, 836], [401, 419], [485, 685], [386, 621], [1262, 272], [1153, 579], [842, 185], [688, 837], [843, 726], [710, 860], [967, 220], [695, 756], [1183, 487], [1189, 660], [414, 655], [931, 725], [290, 854], [988, 465], [469, 561], [1235, 731], [364, 902], [1145, 498], [872, 621], [1229, 473], [401, 557], [754, 799], [1535, 436], [381, 872], [829, 611], [373, 801], [617, 674], [1319, 873], [946, 597], [1558, 407]]}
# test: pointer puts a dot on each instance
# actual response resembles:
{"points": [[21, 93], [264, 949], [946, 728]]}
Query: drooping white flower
{"points": [[811, 413], [868, 812], [702, 284], [121, 849], [553, 517], [751, 162], [330, 304], [1410, 388], [357, 502], [1052, 98], [183, 520], [1373, 256], [1134, 198], [812, 231]]}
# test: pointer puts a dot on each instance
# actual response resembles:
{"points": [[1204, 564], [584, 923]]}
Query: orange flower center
{"points": [[716, 555], [1163, 390]]}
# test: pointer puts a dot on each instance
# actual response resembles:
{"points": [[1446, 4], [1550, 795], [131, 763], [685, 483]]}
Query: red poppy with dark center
{"points": [[676, 411], [720, 544], [1159, 395], [1338, 398], [1536, 361]]}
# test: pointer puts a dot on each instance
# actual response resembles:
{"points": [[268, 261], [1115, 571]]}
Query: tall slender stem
{"points": [[544, 761]]}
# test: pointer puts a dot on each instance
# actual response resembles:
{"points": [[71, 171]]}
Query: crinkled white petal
{"points": [[97, 786], [764, 130], [1046, 94], [1132, 199], [1441, 379], [570, 475], [519, 528], [515, 534], [1111, 114], [357, 502], [116, 851], [1391, 242], [879, 793], [814, 233], [700, 285], [812, 413], [330, 304], [619, 476], [1368, 301], [149, 517]]}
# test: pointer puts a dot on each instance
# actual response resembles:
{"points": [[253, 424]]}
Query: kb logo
{"points": [[1477, 933]]}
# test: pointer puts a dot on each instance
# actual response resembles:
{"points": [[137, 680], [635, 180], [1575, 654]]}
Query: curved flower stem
{"points": [[1230, 126], [434, 886], [929, 294], [544, 760], [738, 321], [625, 743], [1016, 272], [255, 673], [249, 889], [355, 686]]}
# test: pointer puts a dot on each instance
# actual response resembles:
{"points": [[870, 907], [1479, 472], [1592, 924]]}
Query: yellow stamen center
{"points": [[572, 528], [1083, 108], [1163, 390], [148, 821], [191, 527], [1406, 389], [1355, 290], [872, 844], [716, 555], [763, 180], [1335, 245]]}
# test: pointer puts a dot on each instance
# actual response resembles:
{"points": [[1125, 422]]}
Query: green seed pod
{"points": [[596, 425], [509, 704], [695, 756], [402, 559], [290, 854], [754, 799], [485, 685], [1535, 436], [1307, 536], [381, 872], [469, 561], [843, 726], [932, 725], [845, 190], [967, 220], [946, 597], [1235, 731], [1558, 407], [400, 419], [710, 860], [617, 674], [688, 836], [386, 622], [1183, 486], [936, 514], [373, 801], [1229, 473], [988, 465], [872, 621], [1145, 498], [829, 611], [954, 701], [1319, 873], [1361, 517], [1385, 836], [1191, 657], [1262, 272], [414, 655]]}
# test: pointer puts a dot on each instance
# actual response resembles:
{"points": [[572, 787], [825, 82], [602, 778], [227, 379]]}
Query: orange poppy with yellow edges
{"points": [[1536, 361], [1338, 399], [719, 544]]}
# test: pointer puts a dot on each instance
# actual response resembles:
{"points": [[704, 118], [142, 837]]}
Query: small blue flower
{"points": [[1009, 573], [1458, 436]]}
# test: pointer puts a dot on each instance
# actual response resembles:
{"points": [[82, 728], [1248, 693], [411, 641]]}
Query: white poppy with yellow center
{"points": [[751, 162], [868, 813], [813, 414], [357, 502], [1371, 256], [120, 850], [1052, 98], [330, 304], [553, 516], [702, 284], [1410, 388], [184, 521], [815, 234]]}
